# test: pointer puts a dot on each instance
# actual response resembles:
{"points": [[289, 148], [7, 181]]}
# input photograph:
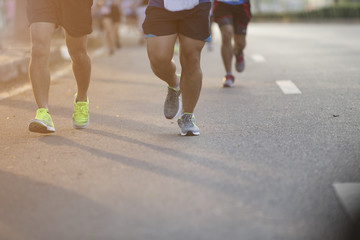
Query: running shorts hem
{"points": [[237, 15], [193, 23]]}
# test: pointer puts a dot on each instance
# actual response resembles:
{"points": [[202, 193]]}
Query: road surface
{"points": [[270, 152]]}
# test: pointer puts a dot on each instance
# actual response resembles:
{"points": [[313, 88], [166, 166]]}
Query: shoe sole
{"points": [[226, 85], [39, 127], [81, 126], [190, 133]]}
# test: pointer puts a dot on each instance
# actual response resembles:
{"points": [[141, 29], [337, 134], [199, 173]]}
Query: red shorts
{"points": [[237, 15]]}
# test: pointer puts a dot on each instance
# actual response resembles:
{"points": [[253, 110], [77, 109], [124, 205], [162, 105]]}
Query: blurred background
{"points": [[13, 18]]}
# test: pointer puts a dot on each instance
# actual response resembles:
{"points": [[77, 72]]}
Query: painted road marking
{"points": [[27, 86], [288, 87], [349, 195], [258, 58], [15, 91]]}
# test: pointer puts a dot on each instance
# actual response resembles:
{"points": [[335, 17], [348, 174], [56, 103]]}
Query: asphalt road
{"points": [[263, 167]]}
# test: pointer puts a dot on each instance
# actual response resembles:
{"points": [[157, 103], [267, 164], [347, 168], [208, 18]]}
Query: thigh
{"points": [[190, 46], [41, 34], [195, 23], [41, 11], [223, 14], [242, 16], [107, 23], [76, 45], [76, 16], [159, 22], [161, 48]]}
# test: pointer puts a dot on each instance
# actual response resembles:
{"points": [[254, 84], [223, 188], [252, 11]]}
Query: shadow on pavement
{"points": [[38, 210], [222, 185]]}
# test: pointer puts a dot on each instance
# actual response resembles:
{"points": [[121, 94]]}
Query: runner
{"points": [[232, 17], [110, 13], [167, 20], [75, 17], [140, 7]]}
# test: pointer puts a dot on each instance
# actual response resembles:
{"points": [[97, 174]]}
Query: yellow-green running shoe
{"points": [[81, 116], [42, 122]]}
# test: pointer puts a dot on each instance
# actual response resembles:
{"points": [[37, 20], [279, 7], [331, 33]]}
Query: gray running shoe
{"points": [[240, 62], [187, 125], [172, 105]]}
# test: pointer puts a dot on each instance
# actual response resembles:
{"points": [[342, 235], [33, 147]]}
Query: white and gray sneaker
{"points": [[172, 105], [187, 125]]}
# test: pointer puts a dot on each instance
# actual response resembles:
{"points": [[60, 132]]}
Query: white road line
{"points": [[15, 91], [27, 86], [258, 58], [349, 195], [288, 87]]}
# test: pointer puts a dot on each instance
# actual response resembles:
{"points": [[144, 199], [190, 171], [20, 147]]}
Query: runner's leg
{"points": [[227, 51], [39, 73], [240, 43], [191, 75], [109, 33], [81, 64], [160, 51]]}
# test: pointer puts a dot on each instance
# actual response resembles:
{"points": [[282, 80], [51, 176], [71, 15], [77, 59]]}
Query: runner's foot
{"points": [[187, 125], [81, 116], [172, 105], [228, 81], [42, 122], [240, 62]]}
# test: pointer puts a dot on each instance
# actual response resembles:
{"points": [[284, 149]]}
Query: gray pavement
{"points": [[263, 167]]}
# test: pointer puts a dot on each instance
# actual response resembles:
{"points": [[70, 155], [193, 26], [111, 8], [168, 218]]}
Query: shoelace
{"points": [[82, 110], [173, 95], [187, 118]]}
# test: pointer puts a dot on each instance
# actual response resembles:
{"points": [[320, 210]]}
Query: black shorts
{"points": [[73, 15], [193, 23], [237, 15]]}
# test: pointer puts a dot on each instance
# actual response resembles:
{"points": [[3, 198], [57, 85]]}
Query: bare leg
{"points": [[191, 74], [227, 52], [240, 43], [39, 73], [110, 34], [81, 64], [160, 52], [116, 34]]}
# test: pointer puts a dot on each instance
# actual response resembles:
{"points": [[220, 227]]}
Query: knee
{"points": [[227, 36], [240, 45], [78, 55], [158, 60], [39, 51], [190, 60]]}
